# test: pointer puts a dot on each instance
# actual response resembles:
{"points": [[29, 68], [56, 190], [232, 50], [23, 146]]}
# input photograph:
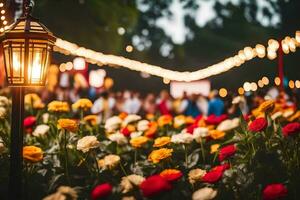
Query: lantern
{"points": [[27, 46]]}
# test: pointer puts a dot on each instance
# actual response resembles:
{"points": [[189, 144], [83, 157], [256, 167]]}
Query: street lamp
{"points": [[26, 47]]}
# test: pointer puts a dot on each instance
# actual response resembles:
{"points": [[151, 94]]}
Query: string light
{"points": [[241, 57], [297, 84], [129, 48], [241, 91], [166, 81], [277, 81], [260, 84], [291, 84], [2, 17], [265, 80]]}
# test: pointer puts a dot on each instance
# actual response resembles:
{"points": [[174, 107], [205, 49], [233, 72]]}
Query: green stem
{"points": [[123, 169], [96, 162], [66, 156], [135, 159], [185, 156], [202, 150]]}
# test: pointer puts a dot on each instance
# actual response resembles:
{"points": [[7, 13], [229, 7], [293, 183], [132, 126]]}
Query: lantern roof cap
{"points": [[28, 27]]}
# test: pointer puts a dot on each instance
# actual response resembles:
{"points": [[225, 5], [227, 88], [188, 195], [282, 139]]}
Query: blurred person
{"points": [[192, 108], [164, 104], [149, 106], [132, 103], [215, 105], [202, 104], [104, 106]]}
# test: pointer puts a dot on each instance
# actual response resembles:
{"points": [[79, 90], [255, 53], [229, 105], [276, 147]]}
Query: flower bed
{"points": [[70, 154]]}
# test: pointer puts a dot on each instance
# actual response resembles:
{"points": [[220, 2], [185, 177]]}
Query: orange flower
{"points": [[201, 122], [150, 116], [179, 121], [152, 130], [164, 120], [67, 124], [215, 134], [123, 115], [171, 174], [267, 106], [32, 153], [294, 117], [189, 120], [157, 155], [138, 141], [161, 141], [92, 119]]}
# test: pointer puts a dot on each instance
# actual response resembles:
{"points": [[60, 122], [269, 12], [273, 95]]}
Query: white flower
{"points": [[130, 119], [199, 133], [112, 123], [86, 143], [196, 175], [182, 138], [63, 193], [118, 137], [204, 194], [228, 124], [109, 161], [128, 182], [2, 113], [143, 125], [276, 115], [4, 101], [136, 134], [45, 118], [40, 130]]}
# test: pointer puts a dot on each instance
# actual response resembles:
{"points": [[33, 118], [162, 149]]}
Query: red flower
{"points": [[226, 152], [258, 125], [154, 185], [291, 129], [274, 191], [125, 131], [101, 191], [171, 174], [190, 129], [215, 120], [215, 174], [29, 121]]}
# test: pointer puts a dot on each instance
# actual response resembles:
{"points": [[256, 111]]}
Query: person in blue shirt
{"points": [[215, 105]]}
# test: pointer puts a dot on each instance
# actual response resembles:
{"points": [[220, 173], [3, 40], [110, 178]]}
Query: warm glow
{"points": [[96, 78], [247, 86], [241, 91], [291, 84], [129, 48], [36, 69], [277, 81], [62, 67], [297, 84], [1, 5], [260, 83], [16, 63], [79, 63], [253, 86], [223, 92], [297, 36], [260, 50], [69, 66], [166, 81], [265, 80]]}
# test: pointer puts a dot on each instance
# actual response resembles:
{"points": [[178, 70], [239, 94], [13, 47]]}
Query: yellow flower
{"points": [[34, 101], [171, 174], [215, 134], [92, 119], [83, 104], [179, 121], [214, 148], [150, 117], [189, 120], [58, 106], [164, 120], [161, 141], [123, 115], [109, 161], [138, 141], [267, 106], [67, 124], [32, 153], [157, 155]]}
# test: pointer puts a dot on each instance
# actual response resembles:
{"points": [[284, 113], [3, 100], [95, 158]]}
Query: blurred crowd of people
{"points": [[108, 103]]}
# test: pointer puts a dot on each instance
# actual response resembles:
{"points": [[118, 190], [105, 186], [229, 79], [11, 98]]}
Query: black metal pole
{"points": [[16, 144]]}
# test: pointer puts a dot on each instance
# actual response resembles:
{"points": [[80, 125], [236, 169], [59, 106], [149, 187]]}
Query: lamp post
{"points": [[26, 46]]}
